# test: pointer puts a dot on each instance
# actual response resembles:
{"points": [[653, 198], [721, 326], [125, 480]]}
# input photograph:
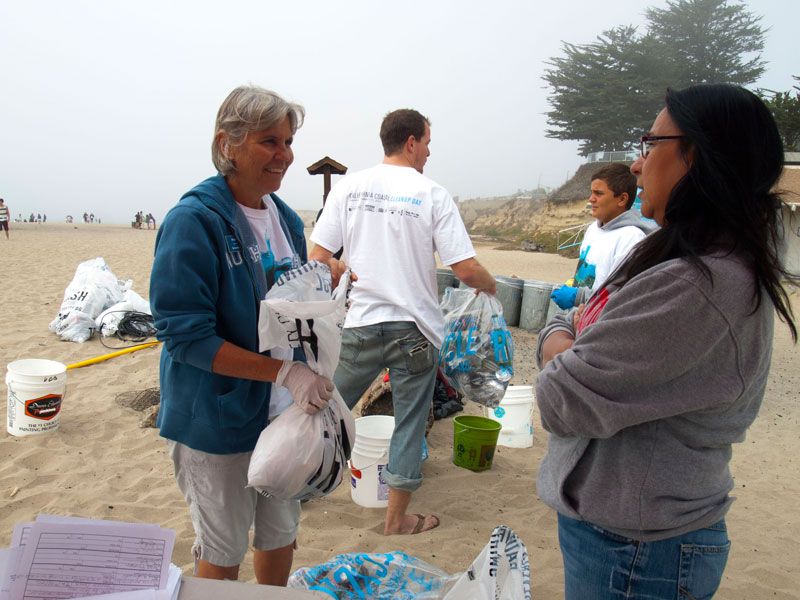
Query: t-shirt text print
{"points": [[399, 206]]}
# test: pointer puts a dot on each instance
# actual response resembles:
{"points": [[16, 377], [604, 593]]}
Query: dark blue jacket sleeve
{"points": [[184, 286]]}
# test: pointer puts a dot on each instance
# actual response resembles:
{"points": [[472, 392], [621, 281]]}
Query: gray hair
{"points": [[250, 108]]}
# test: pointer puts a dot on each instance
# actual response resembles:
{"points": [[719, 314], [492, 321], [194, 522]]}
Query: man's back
{"points": [[390, 221]]}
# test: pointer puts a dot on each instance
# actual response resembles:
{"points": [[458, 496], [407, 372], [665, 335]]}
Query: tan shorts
{"points": [[223, 509]]}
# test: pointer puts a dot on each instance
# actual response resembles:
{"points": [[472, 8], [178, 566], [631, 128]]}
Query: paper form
{"points": [[21, 531], [70, 560]]}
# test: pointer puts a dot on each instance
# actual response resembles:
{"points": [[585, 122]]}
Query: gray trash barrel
{"points": [[509, 293], [553, 310], [535, 304]]}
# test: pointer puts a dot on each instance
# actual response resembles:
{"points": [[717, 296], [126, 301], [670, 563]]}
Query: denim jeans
{"points": [[412, 363], [600, 565]]}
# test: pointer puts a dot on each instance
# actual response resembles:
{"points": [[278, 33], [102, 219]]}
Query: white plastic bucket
{"points": [[36, 388], [370, 457], [515, 414]]}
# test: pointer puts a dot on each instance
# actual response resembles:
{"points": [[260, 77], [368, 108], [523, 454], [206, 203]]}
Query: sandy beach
{"points": [[99, 463]]}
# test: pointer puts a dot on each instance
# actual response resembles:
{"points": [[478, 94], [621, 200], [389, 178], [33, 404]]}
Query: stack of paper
{"points": [[69, 557]]}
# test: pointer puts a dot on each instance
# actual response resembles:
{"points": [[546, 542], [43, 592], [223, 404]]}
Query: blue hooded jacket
{"points": [[204, 291]]}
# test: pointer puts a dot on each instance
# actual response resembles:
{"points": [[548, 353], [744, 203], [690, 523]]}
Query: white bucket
{"points": [[515, 414], [36, 388], [370, 457]]}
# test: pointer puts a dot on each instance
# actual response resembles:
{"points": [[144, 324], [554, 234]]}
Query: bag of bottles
{"points": [[501, 570], [477, 352]]}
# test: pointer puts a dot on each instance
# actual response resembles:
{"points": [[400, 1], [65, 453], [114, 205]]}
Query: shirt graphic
{"points": [[275, 267], [585, 272]]}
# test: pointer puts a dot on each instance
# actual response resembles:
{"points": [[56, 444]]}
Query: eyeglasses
{"points": [[647, 142]]}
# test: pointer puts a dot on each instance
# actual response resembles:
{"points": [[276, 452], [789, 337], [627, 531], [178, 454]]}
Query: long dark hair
{"points": [[726, 201]]}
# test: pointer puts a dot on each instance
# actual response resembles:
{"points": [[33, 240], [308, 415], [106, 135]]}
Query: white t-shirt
{"points": [[276, 257], [390, 221], [601, 252]]}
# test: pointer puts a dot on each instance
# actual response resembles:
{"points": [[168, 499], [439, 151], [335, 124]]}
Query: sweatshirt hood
{"points": [[216, 195], [630, 218]]}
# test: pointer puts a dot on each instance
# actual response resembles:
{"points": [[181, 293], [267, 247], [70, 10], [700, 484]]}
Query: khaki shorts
{"points": [[223, 509]]}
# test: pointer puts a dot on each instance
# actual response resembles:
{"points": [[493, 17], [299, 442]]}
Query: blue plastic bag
{"points": [[392, 575]]}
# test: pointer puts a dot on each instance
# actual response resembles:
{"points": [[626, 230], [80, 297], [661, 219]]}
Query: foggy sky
{"points": [[109, 107]]}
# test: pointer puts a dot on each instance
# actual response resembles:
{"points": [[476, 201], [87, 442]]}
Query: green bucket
{"points": [[474, 441]]}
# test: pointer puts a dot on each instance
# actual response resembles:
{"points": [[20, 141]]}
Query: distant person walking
{"points": [[5, 216]]}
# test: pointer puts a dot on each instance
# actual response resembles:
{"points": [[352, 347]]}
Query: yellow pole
{"points": [[92, 361]]}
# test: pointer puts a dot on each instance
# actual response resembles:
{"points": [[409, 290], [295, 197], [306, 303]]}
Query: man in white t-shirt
{"points": [[391, 220]]}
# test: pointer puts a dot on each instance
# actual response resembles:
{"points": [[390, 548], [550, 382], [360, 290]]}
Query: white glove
{"points": [[310, 391]]}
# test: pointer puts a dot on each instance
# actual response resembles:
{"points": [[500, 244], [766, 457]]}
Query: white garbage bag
{"points": [[107, 322], [93, 289], [299, 455], [500, 572]]}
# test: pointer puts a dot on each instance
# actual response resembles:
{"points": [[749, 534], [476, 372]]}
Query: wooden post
{"points": [[327, 167]]}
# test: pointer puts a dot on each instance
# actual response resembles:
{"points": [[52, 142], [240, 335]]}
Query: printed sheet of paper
{"points": [[63, 560]]}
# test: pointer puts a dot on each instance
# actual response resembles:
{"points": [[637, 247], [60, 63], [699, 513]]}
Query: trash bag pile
{"points": [[93, 295], [501, 570], [477, 352]]}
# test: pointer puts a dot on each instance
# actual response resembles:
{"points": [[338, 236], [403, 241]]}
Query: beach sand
{"points": [[99, 463]]}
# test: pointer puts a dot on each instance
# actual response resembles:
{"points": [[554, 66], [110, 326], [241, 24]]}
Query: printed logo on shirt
{"points": [[585, 272], [255, 253], [375, 202], [593, 310]]}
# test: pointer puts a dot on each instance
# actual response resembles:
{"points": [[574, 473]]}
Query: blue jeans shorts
{"points": [[412, 362], [602, 565], [223, 509]]}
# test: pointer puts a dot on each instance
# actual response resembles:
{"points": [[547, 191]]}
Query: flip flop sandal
{"points": [[418, 528]]}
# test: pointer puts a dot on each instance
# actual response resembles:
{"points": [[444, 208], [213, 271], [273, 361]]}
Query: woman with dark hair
{"points": [[645, 389]]}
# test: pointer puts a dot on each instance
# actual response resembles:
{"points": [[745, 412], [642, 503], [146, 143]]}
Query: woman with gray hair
{"points": [[217, 253]]}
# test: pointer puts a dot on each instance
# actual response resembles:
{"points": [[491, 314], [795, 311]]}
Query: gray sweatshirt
{"points": [[644, 407]]}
